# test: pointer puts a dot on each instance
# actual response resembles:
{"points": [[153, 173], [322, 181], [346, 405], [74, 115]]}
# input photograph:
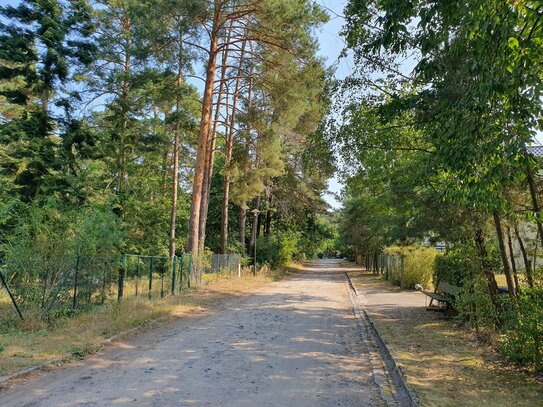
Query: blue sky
{"points": [[331, 45]]}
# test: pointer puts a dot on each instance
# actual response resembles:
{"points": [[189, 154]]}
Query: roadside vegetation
{"points": [[116, 164], [437, 127], [445, 363]]}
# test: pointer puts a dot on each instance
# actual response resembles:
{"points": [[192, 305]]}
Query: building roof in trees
{"points": [[536, 151]]}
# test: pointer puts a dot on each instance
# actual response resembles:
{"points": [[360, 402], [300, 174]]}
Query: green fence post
{"points": [[174, 266], [74, 303], [121, 278], [137, 274], [189, 270], [5, 284], [181, 266], [162, 278], [150, 276]]}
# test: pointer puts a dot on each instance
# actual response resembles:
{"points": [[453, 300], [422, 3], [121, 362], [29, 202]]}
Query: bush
{"points": [[418, 264], [278, 249], [43, 250], [462, 267], [453, 268], [473, 304], [522, 341]]}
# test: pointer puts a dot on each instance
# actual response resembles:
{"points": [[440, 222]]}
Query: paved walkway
{"points": [[294, 343]]}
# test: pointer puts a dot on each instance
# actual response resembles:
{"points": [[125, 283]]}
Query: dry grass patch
{"points": [[35, 341], [442, 362]]}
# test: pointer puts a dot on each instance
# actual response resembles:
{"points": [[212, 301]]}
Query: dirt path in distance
{"points": [[294, 343]]}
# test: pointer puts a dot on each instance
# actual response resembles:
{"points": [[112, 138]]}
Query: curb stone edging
{"points": [[388, 359]]}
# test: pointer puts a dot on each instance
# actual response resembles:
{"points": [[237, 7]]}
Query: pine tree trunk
{"points": [[228, 156], [254, 230], [527, 265], [242, 225], [175, 186], [503, 252], [210, 158], [166, 162], [194, 243], [267, 226], [175, 178], [512, 257], [121, 158]]}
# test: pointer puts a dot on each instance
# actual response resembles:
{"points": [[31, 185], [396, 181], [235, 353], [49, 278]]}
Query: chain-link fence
{"points": [[392, 266], [226, 263], [61, 285]]}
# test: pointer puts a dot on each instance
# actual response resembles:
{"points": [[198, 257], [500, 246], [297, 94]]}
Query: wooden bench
{"points": [[443, 301]]}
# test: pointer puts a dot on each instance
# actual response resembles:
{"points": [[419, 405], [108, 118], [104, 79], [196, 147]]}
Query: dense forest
{"points": [[158, 128]]}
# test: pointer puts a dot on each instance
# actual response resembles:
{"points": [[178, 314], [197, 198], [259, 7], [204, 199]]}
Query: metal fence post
{"points": [[74, 303], [162, 279], [182, 263], [137, 274], [174, 266], [121, 278], [5, 284], [189, 270], [150, 276]]}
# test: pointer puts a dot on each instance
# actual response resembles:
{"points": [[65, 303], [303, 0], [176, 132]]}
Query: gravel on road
{"points": [[295, 342]]}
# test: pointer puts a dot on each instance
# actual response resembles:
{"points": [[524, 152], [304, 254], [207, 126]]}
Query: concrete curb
{"points": [[388, 359]]}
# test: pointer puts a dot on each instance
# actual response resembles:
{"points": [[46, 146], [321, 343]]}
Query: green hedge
{"points": [[418, 264]]}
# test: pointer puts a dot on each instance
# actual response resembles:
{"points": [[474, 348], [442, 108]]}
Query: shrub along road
{"points": [[294, 343]]}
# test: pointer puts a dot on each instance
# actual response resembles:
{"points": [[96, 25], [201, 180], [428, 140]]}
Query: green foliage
{"points": [[43, 247], [278, 249], [474, 305], [94, 98], [418, 264], [523, 341]]}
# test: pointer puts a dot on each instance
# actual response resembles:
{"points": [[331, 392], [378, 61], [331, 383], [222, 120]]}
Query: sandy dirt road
{"points": [[294, 343]]}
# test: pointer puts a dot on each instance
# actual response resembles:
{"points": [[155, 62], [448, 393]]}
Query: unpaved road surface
{"points": [[294, 343]]}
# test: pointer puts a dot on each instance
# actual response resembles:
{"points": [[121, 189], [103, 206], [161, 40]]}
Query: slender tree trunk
{"points": [[45, 96], [205, 124], [512, 257], [210, 159], [535, 203], [267, 226], [121, 158], [228, 155], [487, 267], [177, 135], [503, 252], [527, 265], [242, 225], [175, 186], [166, 160], [254, 231]]}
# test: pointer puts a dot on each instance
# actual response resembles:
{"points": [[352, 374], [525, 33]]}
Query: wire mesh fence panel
{"points": [[60, 285], [394, 268], [229, 263], [94, 280]]}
